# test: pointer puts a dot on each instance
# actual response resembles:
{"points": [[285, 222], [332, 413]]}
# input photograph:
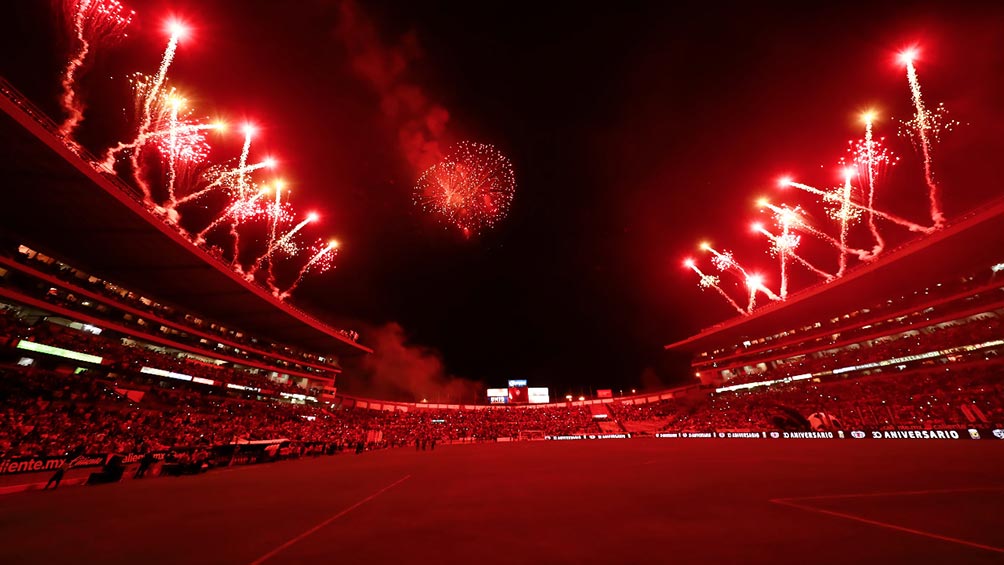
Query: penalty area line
{"points": [[314, 529], [931, 535]]}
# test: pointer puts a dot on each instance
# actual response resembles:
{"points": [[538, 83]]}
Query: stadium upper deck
{"points": [[949, 277], [60, 204]]}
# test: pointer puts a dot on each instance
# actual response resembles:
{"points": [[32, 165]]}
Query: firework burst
{"points": [[711, 281], [321, 260], [784, 247], [835, 203], [240, 209], [924, 130], [285, 244], [184, 145], [95, 22], [912, 226], [795, 219], [472, 188], [871, 159], [223, 177], [152, 109], [724, 261], [754, 283]]}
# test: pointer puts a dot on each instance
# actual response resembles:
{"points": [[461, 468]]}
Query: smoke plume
{"points": [[398, 370], [421, 123]]}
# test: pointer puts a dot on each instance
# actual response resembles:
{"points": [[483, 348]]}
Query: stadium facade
{"points": [[919, 305], [80, 249]]}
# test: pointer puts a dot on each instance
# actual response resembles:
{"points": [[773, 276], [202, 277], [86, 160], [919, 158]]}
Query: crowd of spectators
{"points": [[132, 358], [73, 277], [939, 300], [45, 413], [114, 408], [964, 332], [964, 395]]}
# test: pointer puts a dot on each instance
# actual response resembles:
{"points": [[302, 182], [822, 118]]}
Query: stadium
{"points": [[178, 386]]}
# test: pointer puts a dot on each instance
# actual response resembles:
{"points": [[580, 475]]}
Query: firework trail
{"points": [[724, 261], [94, 22], [281, 242], [786, 243], [472, 188], [189, 138], [755, 284], [275, 217], [158, 82], [872, 158], [185, 147], [172, 155], [845, 219], [150, 101], [238, 209], [242, 189], [222, 178], [923, 128], [793, 218], [751, 303], [320, 262], [885, 215], [276, 214], [711, 281], [781, 246]]}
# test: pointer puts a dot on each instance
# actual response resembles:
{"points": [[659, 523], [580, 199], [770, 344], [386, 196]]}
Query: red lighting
{"points": [[177, 29], [907, 56]]}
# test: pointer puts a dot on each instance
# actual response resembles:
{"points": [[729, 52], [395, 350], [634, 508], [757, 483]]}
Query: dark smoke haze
{"points": [[398, 370], [421, 123]]}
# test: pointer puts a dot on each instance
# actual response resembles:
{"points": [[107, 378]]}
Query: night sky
{"points": [[635, 132]]}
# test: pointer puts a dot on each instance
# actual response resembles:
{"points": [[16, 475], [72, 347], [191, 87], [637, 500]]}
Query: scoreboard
{"points": [[519, 393]]}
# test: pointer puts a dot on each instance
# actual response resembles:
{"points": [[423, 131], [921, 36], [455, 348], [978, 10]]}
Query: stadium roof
{"points": [[59, 204], [973, 242]]}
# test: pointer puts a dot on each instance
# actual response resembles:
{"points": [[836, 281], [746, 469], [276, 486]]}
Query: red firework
{"points": [[472, 188]]}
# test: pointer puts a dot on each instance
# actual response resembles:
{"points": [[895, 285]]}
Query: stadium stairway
{"points": [[605, 419]]}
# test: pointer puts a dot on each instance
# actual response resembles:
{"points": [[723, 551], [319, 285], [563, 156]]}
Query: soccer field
{"points": [[612, 501]]}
